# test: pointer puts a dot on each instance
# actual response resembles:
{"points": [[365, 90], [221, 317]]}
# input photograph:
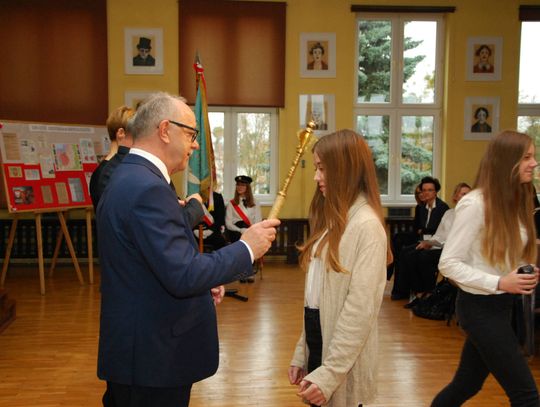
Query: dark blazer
{"points": [[103, 173], [158, 321], [436, 215]]}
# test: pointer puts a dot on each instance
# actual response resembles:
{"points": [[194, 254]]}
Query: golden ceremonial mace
{"points": [[304, 137]]}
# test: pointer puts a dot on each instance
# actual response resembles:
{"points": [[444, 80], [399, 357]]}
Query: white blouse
{"points": [[231, 216], [461, 259], [314, 278]]}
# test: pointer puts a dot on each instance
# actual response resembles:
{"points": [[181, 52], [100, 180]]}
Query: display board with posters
{"points": [[48, 166]]}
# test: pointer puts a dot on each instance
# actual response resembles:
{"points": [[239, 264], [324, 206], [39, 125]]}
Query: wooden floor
{"points": [[48, 355]]}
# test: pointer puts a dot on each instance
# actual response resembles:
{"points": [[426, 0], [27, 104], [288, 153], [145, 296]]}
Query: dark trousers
{"points": [[312, 324], [419, 268], [399, 241], [122, 395], [491, 347]]}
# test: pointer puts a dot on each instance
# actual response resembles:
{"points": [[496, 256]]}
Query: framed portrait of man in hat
{"points": [[143, 51]]}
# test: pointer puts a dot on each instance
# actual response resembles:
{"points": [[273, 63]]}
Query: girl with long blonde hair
{"points": [[492, 235], [335, 360]]}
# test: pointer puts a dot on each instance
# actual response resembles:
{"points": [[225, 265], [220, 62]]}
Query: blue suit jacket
{"points": [[158, 320]]}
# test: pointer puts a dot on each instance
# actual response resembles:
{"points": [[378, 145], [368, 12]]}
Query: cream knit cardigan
{"points": [[349, 306]]}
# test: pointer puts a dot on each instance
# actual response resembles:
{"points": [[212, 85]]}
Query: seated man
{"points": [[427, 218], [419, 267], [213, 225]]}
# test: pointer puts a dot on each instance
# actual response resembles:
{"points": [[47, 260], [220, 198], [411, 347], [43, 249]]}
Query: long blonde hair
{"points": [[348, 171], [508, 202]]}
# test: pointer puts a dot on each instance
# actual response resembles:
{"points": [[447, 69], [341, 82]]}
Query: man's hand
{"points": [[217, 294], [260, 236], [195, 196]]}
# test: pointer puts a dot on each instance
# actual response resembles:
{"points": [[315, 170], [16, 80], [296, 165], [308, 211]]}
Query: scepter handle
{"points": [[304, 136]]}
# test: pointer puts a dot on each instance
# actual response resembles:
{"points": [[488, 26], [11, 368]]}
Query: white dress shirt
{"points": [[461, 259]]}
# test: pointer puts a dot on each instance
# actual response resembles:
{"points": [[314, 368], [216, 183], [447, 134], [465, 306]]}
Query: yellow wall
{"points": [[472, 18]]}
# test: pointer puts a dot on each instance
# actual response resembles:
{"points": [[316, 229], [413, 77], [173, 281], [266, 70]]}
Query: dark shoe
{"points": [[398, 296], [250, 280], [243, 280], [412, 303]]}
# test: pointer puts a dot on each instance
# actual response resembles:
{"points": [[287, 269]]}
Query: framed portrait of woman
{"points": [[318, 55], [481, 118], [484, 58]]}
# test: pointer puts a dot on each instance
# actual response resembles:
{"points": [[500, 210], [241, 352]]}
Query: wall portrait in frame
{"points": [[318, 55], [143, 51], [134, 98], [481, 118], [484, 58], [320, 109]]}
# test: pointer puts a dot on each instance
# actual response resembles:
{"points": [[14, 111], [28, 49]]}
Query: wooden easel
{"points": [[59, 238], [63, 233]]}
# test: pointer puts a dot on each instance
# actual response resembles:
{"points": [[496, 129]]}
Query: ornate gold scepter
{"points": [[304, 137]]}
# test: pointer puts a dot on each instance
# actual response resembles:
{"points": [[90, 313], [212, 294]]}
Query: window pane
{"points": [[217, 127], [419, 50], [254, 149], [529, 85], [375, 130], [416, 151], [531, 126], [375, 57]]}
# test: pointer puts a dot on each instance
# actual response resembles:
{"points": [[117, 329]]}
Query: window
{"points": [[245, 143], [398, 98], [528, 120]]}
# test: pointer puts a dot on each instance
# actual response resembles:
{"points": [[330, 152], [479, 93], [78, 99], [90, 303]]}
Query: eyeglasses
{"points": [[185, 126]]}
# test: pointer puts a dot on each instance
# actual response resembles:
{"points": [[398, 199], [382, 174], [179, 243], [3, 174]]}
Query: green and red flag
{"points": [[202, 164]]}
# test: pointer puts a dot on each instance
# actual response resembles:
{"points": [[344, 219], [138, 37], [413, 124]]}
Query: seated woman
{"points": [[427, 217], [242, 212], [419, 266]]}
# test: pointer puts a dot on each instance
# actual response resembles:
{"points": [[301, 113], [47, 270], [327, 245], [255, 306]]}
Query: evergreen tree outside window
{"points": [[398, 98]]}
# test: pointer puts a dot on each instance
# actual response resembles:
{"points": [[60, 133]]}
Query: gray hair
{"points": [[157, 107]]}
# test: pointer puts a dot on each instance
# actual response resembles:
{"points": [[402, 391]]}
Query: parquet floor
{"points": [[48, 355]]}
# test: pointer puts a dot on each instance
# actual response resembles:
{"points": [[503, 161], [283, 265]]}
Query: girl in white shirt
{"points": [[242, 212], [492, 235]]}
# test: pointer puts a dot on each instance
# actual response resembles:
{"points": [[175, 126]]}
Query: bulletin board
{"points": [[48, 166]]}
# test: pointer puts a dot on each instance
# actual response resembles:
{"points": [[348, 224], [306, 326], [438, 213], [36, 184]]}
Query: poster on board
{"points": [[48, 166]]}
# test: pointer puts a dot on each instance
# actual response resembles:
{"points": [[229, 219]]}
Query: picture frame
{"points": [[481, 117], [143, 51], [133, 98], [484, 58], [320, 108], [318, 55]]}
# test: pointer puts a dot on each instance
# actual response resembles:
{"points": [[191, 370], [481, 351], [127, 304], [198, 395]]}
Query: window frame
{"points": [[528, 109], [395, 108], [230, 162]]}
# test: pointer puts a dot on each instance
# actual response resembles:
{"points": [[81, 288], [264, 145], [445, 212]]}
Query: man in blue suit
{"points": [[158, 332]]}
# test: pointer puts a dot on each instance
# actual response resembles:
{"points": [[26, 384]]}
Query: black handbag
{"points": [[440, 305]]}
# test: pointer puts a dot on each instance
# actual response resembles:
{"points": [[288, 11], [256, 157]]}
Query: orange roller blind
{"points": [[242, 49], [54, 65]]}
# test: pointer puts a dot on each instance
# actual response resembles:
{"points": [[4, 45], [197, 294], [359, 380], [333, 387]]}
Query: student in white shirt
{"points": [[492, 235], [242, 212]]}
